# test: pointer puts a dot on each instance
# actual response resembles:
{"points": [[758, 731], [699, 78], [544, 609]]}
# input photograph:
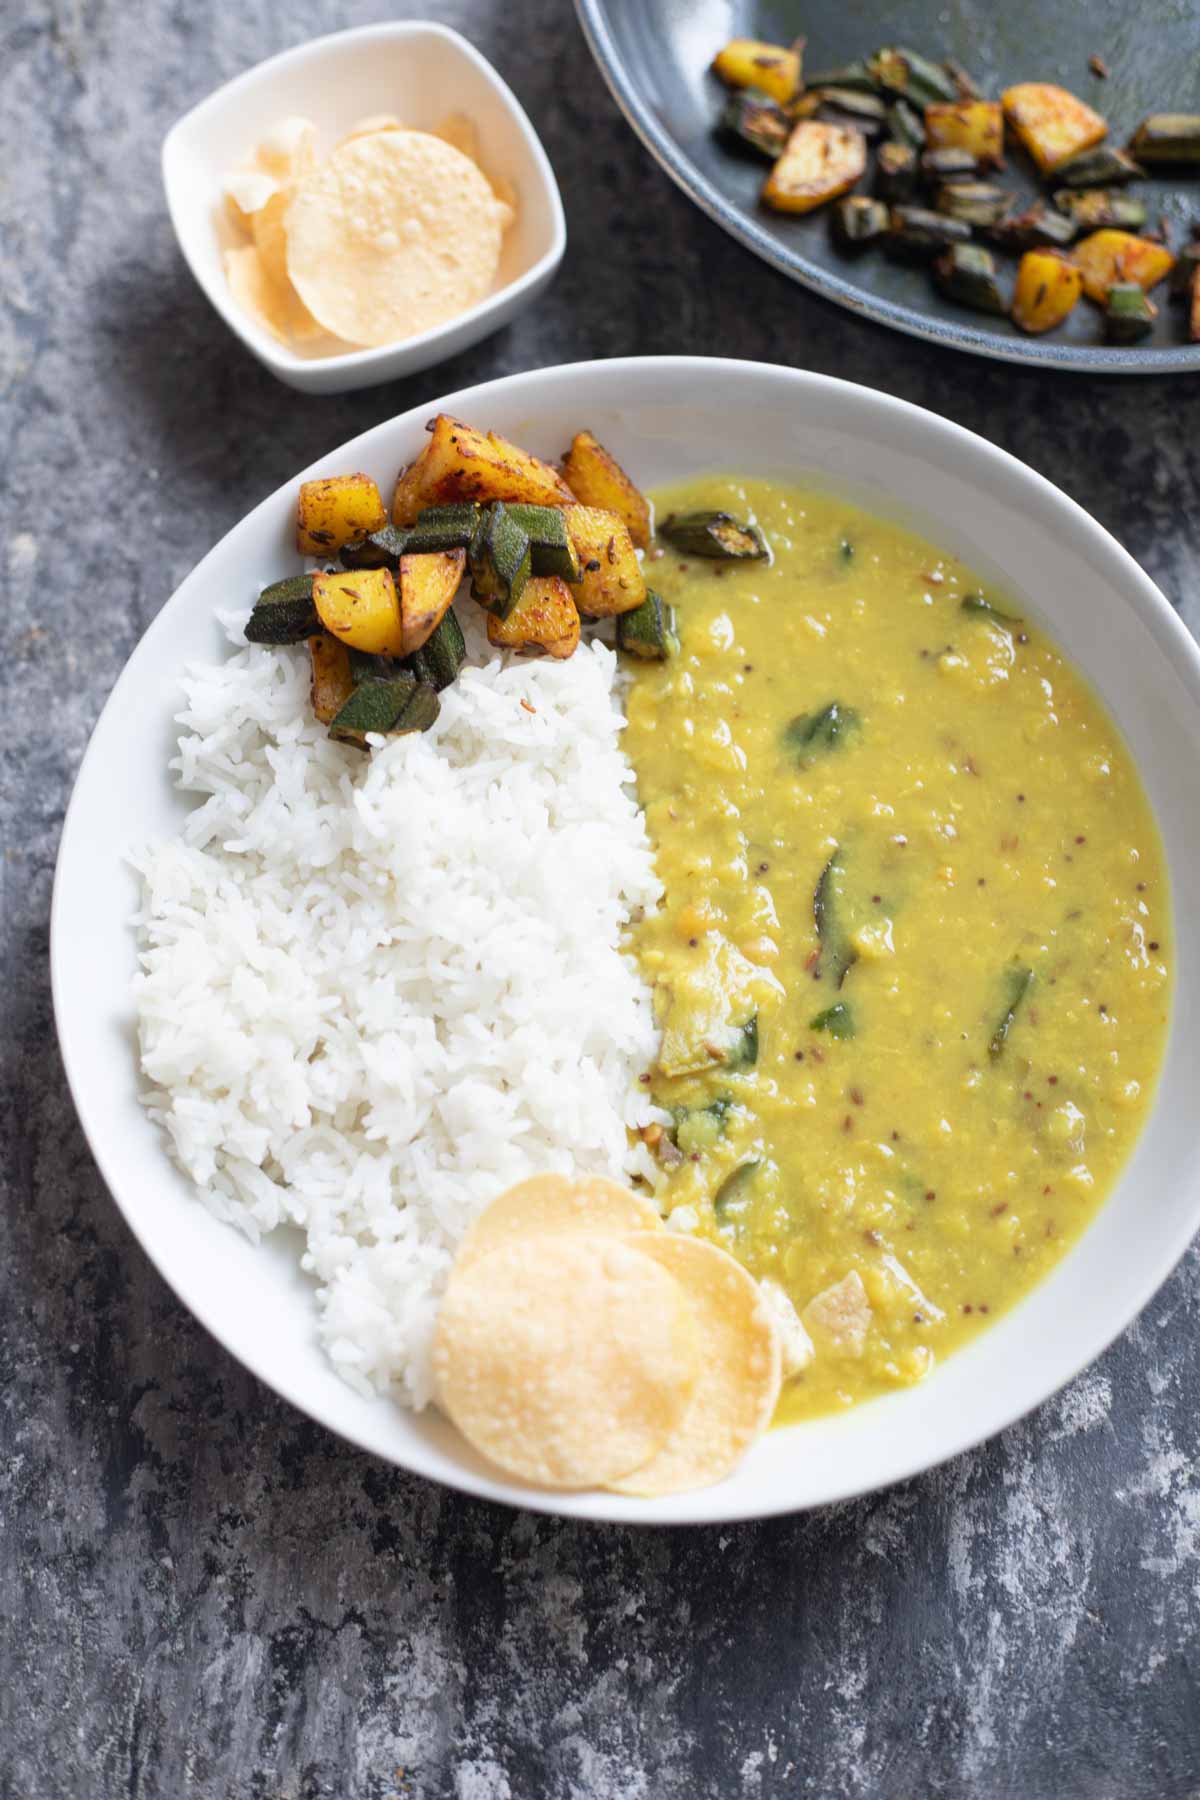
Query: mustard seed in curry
{"points": [[911, 966]]}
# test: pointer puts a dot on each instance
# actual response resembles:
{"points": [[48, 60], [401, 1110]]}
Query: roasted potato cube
{"points": [[408, 497], [362, 608], [744, 62], [820, 163], [597, 479], [460, 463], [611, 579], [332, 683], [976, 126], [544, 618], [1112, 256], [1145, 262], [1047, 286], [336, 509], [429, 581], [1051, 123]]}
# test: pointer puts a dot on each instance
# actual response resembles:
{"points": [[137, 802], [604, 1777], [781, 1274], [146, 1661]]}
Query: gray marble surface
{"points": [[200, 1592]]}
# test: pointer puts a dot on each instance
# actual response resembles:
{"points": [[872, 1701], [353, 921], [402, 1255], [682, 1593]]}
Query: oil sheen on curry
{"points": [[912, 963]]}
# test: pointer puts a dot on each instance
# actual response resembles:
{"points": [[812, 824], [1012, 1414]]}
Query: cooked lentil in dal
{"points": [[912, 961]]}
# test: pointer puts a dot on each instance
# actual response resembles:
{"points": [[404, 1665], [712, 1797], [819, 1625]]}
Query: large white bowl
{"points": [[667, 418]]}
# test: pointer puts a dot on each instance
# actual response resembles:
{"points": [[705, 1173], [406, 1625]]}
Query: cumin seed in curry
{"points": [[911, 965]]}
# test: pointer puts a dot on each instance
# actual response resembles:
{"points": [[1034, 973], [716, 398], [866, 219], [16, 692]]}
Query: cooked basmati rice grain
{"points": [[377, 990]]}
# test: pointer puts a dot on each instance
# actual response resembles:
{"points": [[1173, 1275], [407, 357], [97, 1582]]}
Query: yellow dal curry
{"points": [[905, 850]]}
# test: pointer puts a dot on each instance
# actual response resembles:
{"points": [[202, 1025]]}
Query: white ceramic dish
{"points": [[420, 72], [667, 418]]}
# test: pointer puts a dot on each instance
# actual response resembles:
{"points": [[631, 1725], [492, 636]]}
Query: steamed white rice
{"points": [[374, 991]]}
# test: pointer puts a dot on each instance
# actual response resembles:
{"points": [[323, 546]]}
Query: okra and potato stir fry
{"points": [[938, 149], [545, 550]]}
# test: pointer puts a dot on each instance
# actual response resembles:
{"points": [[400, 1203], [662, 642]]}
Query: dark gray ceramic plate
{"points": [[654, 54]]}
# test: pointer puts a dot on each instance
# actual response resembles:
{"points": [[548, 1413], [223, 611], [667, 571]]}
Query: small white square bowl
{"points": [[419, 71]]}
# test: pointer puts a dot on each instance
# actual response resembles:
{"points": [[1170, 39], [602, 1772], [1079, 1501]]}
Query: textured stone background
{"points": [[200, 1592]]}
